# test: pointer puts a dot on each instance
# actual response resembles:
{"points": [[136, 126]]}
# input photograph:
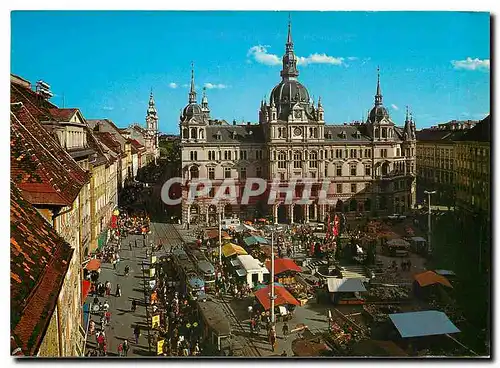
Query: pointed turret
{"points": [[413, 128], [320, 110], [378, 95], [204, 104], [289, 70], [407, 128], [192, 91]]}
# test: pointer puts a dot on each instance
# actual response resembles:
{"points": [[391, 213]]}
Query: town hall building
{"points": [[370, 165]]}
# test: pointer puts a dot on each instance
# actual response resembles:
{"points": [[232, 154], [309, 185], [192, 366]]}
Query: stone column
{"points": [[290, 208], [306, 213], [189, 214], [275, 213], [316, 212]]}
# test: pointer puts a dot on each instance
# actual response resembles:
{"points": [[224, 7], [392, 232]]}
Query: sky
{"points": [[106, 63]]}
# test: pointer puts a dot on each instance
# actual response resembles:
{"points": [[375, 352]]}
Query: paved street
{"points": [[122, 319]]}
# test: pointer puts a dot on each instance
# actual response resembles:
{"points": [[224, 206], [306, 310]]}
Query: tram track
{"points": [[249, 348]]}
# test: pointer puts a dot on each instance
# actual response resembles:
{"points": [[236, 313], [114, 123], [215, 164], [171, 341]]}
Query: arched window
{"points": [[193, 133], [377, 133], [194, 172], [385, 168], [185, 133], [310, 132], [313, 160], [281, 160], [202, 134], [315, 132], [297, 160]]}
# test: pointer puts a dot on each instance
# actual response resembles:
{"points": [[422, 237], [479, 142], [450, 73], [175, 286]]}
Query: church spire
{"points": [[407, 133], [192, 92], [289, 70], [378, 95]]}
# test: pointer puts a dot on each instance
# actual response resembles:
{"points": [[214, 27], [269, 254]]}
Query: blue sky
{"points": [[105, 63]]}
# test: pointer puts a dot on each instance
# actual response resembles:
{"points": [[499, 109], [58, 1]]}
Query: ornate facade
{"points": [[370, 165]]}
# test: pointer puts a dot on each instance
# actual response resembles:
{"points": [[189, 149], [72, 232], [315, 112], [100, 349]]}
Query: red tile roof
{"points": [[136, 144], [62, 114], [109, 141], [40, 167], [282, 265], [38, 264]]}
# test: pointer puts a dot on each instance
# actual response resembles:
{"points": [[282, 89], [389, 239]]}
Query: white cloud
{"points": [[320, 59], [395, 107], [173, 85], [260, 55], [352, 58], [215, 86], [108, 108], [471, 64]]}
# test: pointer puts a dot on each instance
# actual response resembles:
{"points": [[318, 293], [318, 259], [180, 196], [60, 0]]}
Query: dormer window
{"points": [[234, 135], [357, 135], [343, 134], [328, 135], [218, 135]]}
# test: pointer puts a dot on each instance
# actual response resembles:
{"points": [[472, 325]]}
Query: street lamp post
{"points": [[429, 230], [272, 277], [220, 239]]}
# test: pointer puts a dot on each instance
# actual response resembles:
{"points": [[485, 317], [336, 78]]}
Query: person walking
{"points": [[127, 270], [107, 315], [137, 333], [120, 350], [134, 305], [118, 291], [272, 339], [125, 347], [108, 288], [285, 331], [130, 245]]}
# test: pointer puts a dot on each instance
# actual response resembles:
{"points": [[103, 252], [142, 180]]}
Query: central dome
{"points": [[286, 94], [191, 110], [378, 113], [289, 92]]}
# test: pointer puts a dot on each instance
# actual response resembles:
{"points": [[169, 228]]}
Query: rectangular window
{"points": [[225, 155], [353, 188], [282, 176], [227, 172], [338, 153], [353, 153], [220, 155], [313, 174], [243, 173], [339, 188], [211, 173], [383, 152], [339, 170], [326, 172], [368, 153], [368, 170], [194, 156], [353, 170]]}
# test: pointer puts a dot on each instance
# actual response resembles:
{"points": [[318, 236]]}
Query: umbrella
{"points": [[93, 265]]}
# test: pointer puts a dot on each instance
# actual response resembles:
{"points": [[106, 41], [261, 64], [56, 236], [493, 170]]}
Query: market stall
{"points": [[283, 297], [254, 271], [345, 291]]}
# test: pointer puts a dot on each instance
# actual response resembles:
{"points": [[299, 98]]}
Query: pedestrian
{"points": [[250, 310], [127, 269], [114, 264], [120, 350], [125, 347], [108, 288], [108, 317], [134, 305], [284, 353], [272, 339], [137, 333], [285, 330], [409, 265], [130, 245], [118, 291]]}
